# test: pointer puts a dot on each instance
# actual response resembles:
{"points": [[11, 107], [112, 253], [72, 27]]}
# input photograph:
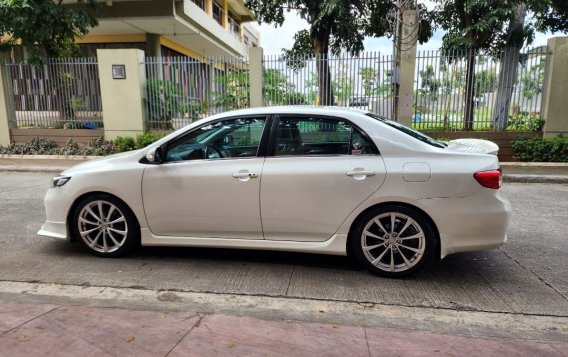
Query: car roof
{"points": [[294, 109]]}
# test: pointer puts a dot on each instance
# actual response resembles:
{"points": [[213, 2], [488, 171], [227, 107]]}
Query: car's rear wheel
{"points": [[393, 241], [105, 225]]}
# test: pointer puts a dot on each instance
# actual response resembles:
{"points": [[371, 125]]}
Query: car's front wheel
{"points": [[105, 225], [393, 240]]}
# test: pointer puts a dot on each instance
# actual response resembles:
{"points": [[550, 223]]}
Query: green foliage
{"points": [[342, 85], [550, 15], [485, 82], [233, 92], [554, 149], [165, 101], [429, 84], [524, 122], [533, 79], [369, 77], [334, 26], [124, 143], [147, 138], [278, 90], [45, 26], [95, 147]]}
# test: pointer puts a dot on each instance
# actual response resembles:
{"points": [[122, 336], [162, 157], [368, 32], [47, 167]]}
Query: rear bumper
{"points": [[477, 222]]}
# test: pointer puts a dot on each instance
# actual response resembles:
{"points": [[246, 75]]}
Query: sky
{"points": [[274, 39]]}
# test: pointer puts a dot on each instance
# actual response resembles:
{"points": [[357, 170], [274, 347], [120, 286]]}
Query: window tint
{"points": [[233, 138], [319, 136], [408, 131]]}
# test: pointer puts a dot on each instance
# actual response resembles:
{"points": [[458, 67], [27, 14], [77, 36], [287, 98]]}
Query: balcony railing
{"points": [[234, 27]]}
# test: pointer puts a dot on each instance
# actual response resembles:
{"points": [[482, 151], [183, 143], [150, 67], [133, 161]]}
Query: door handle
{"points": [[360, 173], [245, 175]]}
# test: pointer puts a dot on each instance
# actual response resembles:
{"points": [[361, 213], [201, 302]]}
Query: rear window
{"points": [[408, 131]]}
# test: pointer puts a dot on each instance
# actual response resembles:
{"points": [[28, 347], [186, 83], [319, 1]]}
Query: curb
{"points": [[37, 169], [48, 157], [517, 178]]}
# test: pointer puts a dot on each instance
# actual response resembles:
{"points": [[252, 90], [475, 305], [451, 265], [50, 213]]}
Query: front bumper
{"points": [[477, 222], [54, 230], [57, 203]]}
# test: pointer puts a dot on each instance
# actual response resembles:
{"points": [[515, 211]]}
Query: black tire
{"points": [[108, 232], [382, 248]]}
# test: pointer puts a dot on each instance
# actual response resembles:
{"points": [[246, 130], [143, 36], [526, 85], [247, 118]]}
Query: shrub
{"points": [[98, 147], [553, 149], [524, 122], [147, 138], [124, 143]]}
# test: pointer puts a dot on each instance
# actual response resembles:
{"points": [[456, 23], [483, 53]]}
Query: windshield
{"points": [[408, 131]]}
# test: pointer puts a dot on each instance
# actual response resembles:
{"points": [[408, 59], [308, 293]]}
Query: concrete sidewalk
{"points": [[69, 330], [512, 171]]}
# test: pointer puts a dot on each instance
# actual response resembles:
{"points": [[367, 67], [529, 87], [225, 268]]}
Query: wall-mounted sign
{"points": [[118, 71]]}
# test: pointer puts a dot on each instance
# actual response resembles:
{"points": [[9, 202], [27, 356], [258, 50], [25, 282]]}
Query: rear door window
{"points": [[320, 136]]}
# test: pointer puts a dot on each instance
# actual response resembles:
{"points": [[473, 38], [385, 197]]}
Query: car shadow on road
{"points": [[221, 257]]}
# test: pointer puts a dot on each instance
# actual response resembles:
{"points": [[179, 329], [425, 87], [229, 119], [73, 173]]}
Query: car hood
{"points": [[101, 162], [473, 146]]}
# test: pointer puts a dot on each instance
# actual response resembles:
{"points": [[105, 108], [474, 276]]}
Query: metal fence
{"points": [[441, 87], [362, 82], [180, 90], [60, 93]]}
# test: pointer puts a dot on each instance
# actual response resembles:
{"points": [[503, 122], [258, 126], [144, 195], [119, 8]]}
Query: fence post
{"points": [[255, 77], [123, 77], [5, 120], [555, 105], [407, 67]]}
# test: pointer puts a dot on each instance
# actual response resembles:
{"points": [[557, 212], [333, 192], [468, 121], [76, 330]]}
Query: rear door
{"points": [[318, 170]]}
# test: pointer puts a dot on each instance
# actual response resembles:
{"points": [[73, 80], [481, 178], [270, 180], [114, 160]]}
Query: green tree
{"points": [[45, 26], [335, 25], [278, 89], [500, 27], [485, 82], [233, 90], [342, 84], [369, 78], [429, 84], [533, 80]]}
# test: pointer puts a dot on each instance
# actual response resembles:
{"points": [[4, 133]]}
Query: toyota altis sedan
{"points": [[303, 179]]}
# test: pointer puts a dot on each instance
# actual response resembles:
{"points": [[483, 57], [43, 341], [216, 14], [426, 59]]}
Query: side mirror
{"points": [[154, 156]]}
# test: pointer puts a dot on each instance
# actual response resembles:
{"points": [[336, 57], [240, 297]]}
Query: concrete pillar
{"points": [[5, 112], [225, 14], [209, 7], [255, 76], [122, 99], [555, 105], [407, 67], [153, 46]]}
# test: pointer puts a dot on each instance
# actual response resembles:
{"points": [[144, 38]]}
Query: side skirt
{"points": [[336, 245]]}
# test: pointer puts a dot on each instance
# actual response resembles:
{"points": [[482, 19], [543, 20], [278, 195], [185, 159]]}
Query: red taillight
{"points": [[489, 179]]}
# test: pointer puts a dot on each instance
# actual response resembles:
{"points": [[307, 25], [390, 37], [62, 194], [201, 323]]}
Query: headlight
{"points": [[59, 181]]}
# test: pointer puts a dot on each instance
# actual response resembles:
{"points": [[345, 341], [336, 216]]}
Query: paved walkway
{"points": [[66, 330]]}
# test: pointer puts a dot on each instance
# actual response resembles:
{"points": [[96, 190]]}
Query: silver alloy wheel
{"points": [[102, 226], [393, 242]]}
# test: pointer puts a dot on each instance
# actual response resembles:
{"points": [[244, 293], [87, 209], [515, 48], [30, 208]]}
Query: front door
{"points": [[209, 184]]}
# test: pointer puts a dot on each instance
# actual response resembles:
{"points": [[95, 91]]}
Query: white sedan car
{"points": [[303, 179]]}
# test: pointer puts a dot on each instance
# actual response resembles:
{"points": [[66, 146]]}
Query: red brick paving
{"points": [[51, 330]]}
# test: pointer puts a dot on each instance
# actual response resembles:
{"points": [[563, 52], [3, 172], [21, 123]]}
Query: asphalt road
{"points": [[528, 275]]}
